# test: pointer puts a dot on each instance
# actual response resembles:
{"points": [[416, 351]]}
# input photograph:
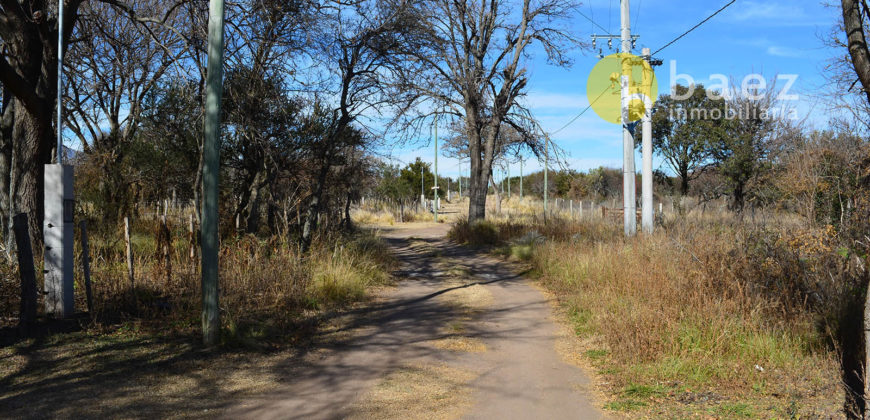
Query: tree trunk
{"points": [[347, 222], [313, 212], [480, 155], [684, 182], [27, 272], [197, 187], [6, 208], [33, 138], [739, 199], [497, 196], [866, 337], [853, 23], [252, 219], [477, 198]]}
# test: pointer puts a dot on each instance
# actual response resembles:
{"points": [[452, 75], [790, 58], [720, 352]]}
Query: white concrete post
{"points": [[58, 237], [646, 147]]}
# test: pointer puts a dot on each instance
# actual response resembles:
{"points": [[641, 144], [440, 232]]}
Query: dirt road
{"points": [[461, 336]]}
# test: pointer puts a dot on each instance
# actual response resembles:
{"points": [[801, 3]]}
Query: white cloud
{"points": [[787, 52], [773, 14]]}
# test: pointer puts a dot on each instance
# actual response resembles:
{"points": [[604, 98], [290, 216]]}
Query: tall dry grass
{"points": [[267, 287], [728, 312]]}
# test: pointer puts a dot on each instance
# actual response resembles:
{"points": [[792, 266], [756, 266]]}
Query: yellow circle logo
{"points": [[604, 87]]}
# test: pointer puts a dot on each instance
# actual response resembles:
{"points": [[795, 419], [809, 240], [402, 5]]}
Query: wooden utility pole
{"points": [[210, 174]]}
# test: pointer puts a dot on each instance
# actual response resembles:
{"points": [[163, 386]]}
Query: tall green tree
{"points": [[684, 130], [741, 151]]}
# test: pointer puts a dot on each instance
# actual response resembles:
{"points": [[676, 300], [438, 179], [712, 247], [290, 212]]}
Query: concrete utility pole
{"points": [[58, 206], [436, 169], [448, 190], [210, 174], [628, 174], [59, 82], [460, 181], [646, 147]]}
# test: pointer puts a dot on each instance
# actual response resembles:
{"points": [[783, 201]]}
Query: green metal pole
{"points": [[210, 174], [436, 168]]}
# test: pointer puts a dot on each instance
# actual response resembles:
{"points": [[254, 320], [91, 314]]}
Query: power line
{"points": [[593, 22], [637, 15], [592, 14], [696, 26], [609, 16], [580, 114]]}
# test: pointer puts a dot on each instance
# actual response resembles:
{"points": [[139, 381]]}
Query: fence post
{"points": [[26, 271], [191, 235], [86, 266], [165, 245], [129, 254]]}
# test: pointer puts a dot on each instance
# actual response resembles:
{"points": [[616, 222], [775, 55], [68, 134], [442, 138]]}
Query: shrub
{"points": [[477, 233]]}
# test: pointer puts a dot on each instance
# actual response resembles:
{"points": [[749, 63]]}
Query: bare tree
{"points": [[265, 38], [356, 48], [115, 63], [472, 69]]}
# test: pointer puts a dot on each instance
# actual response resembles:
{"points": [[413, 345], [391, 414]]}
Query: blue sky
{"points": [[751, 36]]}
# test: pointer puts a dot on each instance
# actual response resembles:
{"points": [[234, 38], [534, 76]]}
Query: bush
{"points": [[697, 307], [478, 233]]}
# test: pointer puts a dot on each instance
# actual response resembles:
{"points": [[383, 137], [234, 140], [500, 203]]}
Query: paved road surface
{"points": [[505, 324]]}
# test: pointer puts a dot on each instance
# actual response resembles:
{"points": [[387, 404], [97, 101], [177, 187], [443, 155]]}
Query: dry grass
{"points": [[663, 323], [381, 214], [461, 344], [703, 318], [141, 351], [465, 297], [91, 375], [468, 299], [439, 391]]}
